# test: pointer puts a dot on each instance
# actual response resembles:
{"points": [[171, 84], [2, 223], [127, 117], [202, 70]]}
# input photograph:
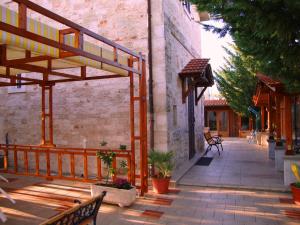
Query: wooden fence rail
{"points": [[60, 163]]}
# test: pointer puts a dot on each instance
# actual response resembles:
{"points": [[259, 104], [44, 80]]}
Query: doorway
{"points": [[191, 124], [218, 122]]}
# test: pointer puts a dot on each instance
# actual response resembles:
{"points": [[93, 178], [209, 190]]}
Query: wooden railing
{"points": [[59, 163]]}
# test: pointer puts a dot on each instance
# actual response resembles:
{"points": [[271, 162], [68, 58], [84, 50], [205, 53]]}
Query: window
{"points": [[19, 88], [174, 115], [244, 123], [187, 5], [212, 120], [223, 121], [19, 83]]}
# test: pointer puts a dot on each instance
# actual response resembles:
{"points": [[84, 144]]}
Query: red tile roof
{"points": [[215, 102], [268, 80], [195, 66]]}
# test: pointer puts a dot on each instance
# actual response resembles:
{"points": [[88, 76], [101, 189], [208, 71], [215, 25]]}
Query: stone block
{"points": [[288, 174]]}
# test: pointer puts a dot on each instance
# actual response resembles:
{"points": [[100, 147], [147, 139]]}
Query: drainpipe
{"points": [[150, 81]]}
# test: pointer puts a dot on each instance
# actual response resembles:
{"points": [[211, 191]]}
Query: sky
{"points": [[212, 48]]}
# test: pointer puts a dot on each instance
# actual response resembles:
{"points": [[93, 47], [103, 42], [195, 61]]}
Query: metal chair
{"points": [[213, 141], [82, 214]]}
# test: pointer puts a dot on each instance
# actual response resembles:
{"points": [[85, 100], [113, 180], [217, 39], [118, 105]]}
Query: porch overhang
{"points": [[197, 73]]}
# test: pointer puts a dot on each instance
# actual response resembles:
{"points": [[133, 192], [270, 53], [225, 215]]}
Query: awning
{"points": [[264, 86], [197, 73]]}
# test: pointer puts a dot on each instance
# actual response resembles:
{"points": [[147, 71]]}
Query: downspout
{"points": [[150, 81]]}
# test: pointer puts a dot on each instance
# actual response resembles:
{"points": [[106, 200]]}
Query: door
{"points": [[218, 122], [191, 124], [223, 123]]}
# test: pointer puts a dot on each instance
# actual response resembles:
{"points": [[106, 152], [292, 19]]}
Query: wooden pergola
{"points": [[52, 67], [272, 98]]}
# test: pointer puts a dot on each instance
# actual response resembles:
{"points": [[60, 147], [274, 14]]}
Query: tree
{"points": [[267, 30], [236, 81]]}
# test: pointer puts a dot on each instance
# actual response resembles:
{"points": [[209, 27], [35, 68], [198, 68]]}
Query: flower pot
{"points": [[160, 185], [295, 193], [121, 197], [271, 148], [279, 155]]}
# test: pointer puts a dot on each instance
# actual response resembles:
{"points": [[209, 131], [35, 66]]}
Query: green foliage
{"points": [[162, 161], [123, 164], [266, 30], [236, 81], [107, 158]]}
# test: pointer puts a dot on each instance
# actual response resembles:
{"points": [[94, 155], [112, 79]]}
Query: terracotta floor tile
{"points": [[286, 200], [162, 201], [152, 214], [293, 214]]}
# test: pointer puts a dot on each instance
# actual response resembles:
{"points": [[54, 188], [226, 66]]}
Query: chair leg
{"points": [[221, 146], [207, 149], [218, 149]]}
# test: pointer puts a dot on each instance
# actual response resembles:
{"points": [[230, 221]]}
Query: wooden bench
{"points": [[213, 141], [81, 214]]}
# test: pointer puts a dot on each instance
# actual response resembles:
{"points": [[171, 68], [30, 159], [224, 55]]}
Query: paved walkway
{"points": [[240, 165], [38, 199]]}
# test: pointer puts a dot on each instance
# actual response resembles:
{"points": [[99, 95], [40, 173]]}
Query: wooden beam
{"points": [[288, 125], [278, 117], [27, 60], [22, 15], [201, 94], [39, 69], [88, 78], [21, 78]]}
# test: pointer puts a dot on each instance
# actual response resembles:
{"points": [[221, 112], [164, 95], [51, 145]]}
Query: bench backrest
{"points": [[208, 137], [79, 214]]}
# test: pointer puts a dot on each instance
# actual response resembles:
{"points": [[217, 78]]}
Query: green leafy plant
{"points": [[162, 162], [123, 147], [103, 143], [123, 164], [123, 167], [107, 158], [295, 170]]}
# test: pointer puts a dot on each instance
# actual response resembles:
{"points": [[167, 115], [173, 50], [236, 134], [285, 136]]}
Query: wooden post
{"points": [[250, 123], [269, 109], [132, 135], [47, 140], [239, 124], [278, 117], [143, 130], [288, 124], [262, 108]]}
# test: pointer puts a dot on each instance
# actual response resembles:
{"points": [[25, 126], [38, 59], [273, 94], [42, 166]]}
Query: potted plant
{"points": [[120, 191], [271, 146], [295, 187], [162, 163], [279, 155], [123, 167]]}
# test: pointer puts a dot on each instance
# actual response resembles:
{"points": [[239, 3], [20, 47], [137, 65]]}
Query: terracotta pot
{"points": [[160, 185], [295, 193]]}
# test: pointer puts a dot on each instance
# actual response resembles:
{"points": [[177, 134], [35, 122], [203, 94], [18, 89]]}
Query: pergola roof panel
{"points": [[17, 44]]}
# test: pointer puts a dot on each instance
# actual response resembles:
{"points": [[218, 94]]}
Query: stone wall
{"points": [[99, 110], [182, 35]]}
